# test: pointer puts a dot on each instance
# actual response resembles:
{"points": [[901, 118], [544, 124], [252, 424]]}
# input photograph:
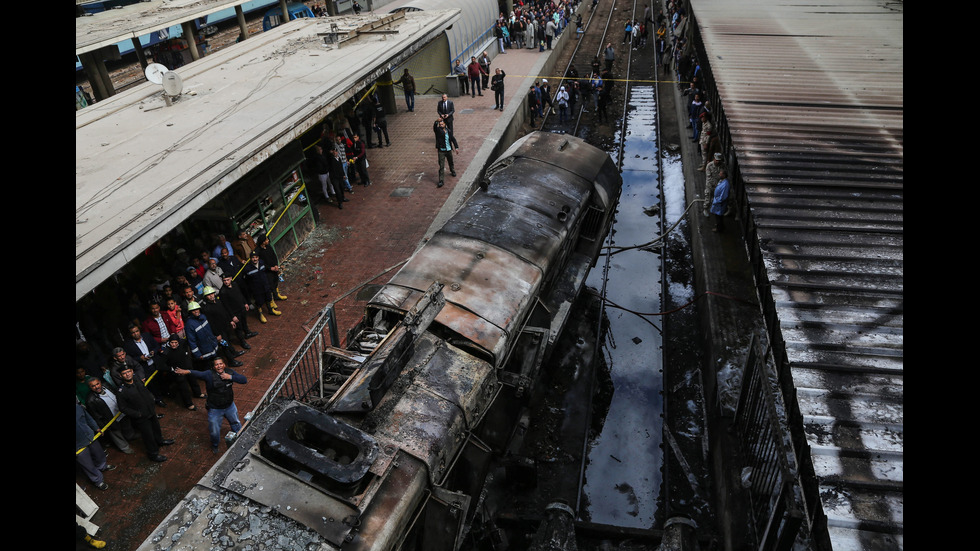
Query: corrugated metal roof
{"points": [[813, 98]]}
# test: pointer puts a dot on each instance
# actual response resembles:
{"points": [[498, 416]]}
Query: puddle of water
{"points": [[623, 478]]}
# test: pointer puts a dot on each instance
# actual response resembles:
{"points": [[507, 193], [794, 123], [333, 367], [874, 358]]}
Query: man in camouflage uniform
{"points": [[707, 132], [711, 177]]}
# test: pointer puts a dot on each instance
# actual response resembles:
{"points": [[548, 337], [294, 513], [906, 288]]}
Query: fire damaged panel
{"points": [[303, 439], [481, 278]]}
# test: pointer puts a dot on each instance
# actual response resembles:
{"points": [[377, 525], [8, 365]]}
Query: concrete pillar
{"points": [[138, 48], [98, 76], [191, 38], [386, 93], [242, 24]]}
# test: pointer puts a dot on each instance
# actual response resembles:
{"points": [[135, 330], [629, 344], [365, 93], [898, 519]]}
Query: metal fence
{"points": [[766, 453], [301, 378]]}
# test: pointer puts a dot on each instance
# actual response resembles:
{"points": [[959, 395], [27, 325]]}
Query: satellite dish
{"points": [[173, 85], [154, 72]]}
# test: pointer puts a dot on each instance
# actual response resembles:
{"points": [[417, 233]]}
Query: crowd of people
{"points": [[534, 24], [677, 53], [190, 324]]}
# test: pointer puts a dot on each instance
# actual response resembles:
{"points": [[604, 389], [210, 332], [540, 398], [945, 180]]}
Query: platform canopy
{"points": [[142, 166], [115, 25]]}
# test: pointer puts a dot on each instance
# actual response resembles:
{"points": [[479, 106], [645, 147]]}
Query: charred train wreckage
{"points": [[440, 368]]}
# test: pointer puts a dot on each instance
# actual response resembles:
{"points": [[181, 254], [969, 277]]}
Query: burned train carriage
{"points": [[441, 366]]}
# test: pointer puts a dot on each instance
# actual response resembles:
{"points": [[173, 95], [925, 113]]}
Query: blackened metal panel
{"points": [[480, 278]]}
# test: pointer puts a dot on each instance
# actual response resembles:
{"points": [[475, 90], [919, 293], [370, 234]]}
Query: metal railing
{"points": [[302, 376], [766, 454]]}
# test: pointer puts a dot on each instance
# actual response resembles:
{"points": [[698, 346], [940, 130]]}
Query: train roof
{"points": [[813, 97], [142, 167], [494, 253]]}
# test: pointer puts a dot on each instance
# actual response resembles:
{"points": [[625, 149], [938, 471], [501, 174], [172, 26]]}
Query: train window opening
{"points": [[461, 342]]}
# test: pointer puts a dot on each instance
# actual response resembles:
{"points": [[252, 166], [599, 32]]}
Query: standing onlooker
{"points": [[103, 405], [340, 145], [562, 99], [473, 70], [546, 103], [320, 167], [446, 111], [338, 175], [212, 276], [497, 85], [610, 55], [719, 202], [268, 254], [259, 286], [533, 103], [220, 320], [408, 86], [155, 325], [92, 457], [444, 146], [712, 174], [238, 306], [359, 155], [460, 71], [367, 121], [243, 246], [485, 70], [380, 121], [178, 356], [498, 33], [220, 404], [137, 403], [707, 132]]}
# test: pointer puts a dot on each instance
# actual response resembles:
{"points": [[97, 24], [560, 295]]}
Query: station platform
{"points": [[380, 227]]}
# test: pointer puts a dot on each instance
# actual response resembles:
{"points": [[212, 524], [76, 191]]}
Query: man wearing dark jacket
{"points": [[202, 340], [271, 259], [177, 355], [137, 403], [320, 167], [221, 398], [220, 318], [444, 147], [143, 348], [118, 361], [103, 404], [337, 173], [238, 306]]}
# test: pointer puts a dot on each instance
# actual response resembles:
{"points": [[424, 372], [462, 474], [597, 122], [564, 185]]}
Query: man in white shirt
{"points": [[102, 405]]}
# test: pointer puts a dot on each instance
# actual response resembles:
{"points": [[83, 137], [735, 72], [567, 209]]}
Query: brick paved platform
{"points": [[380, 227]]}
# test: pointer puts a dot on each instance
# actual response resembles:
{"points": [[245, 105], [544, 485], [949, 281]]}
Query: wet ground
{"points": [[622, 477]]}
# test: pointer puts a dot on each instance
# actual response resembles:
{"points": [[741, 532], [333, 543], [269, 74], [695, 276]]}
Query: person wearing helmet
{"points": [[220, 318], [204, 344]]}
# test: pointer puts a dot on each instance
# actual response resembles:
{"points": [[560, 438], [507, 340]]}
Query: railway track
{"points": [[580, 396]]}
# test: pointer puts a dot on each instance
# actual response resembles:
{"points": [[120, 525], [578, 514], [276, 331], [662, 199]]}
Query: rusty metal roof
{"points": [[813, 98]]}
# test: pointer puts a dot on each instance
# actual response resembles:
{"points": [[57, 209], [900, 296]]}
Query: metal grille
{"points": [[301, 378], [766, 453]]}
